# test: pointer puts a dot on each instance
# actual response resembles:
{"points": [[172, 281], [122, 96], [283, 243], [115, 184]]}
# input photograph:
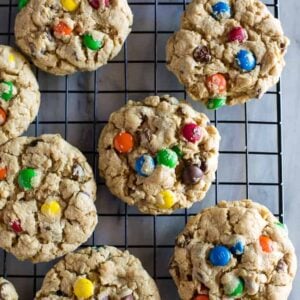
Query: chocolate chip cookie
{"points": [[47, 193], [19, 94], [104, 273], [65, 36], [235, 250], [159, 154], [227, 51], [7, 290]]}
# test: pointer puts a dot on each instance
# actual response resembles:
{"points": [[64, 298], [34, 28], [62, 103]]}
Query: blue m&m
{"points": [[246, 60], [221, 10], [219, 256], [144, 165], [238, 248]]}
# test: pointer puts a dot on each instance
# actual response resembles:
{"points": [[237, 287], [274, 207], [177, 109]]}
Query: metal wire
{"points": [[97, 91]]}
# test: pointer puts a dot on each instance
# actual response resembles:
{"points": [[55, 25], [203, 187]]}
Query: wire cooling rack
{"points": [[78, 107]]}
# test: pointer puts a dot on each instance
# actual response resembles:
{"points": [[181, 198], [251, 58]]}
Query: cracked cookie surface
{"points": [[19, 94], [159, 154], [47, 193], [227, 52], [235, 250], [7, 290], [65, 36], [107, 274]]}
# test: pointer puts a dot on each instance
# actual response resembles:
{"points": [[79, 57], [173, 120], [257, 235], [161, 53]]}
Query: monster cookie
{"points": [[159, 154], [104, 273], [47, 194], [227, 51], [7, 290], [65, 36], [235, 250], [19, 94]]}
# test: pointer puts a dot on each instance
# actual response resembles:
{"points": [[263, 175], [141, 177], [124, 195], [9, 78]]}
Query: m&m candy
{"points": [[94, 4], [22, 3], [192, 132], [246, 60], [177, 150], [16, 226], [216, 84], [3, 173], [83, 288], [234, 288], [92, 43], [216, 103], [167, 199], [7, 90], [27, 178], [282, 226], [221, 10], [123, 142], [192, 174], [238, 247], [238, 34], [201, 54], [219, 256], [69, 5], [51, 209], [167, 157], [62, 29], [201, 297], [3, 116], [144, 165], [266, 243]]}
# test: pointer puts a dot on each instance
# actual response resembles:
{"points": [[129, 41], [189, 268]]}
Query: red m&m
{"points": [[192, 132], [3, 116], [16, 226], [3, 173], [237, 34]]}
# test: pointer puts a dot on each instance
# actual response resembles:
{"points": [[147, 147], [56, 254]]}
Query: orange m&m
{"points": [[3, 173], [216, 84], [2, 116], [266, 243], [62, 28], [123, 142], [201, 297]]}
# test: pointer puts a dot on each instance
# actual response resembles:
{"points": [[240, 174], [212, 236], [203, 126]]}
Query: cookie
{"points": [[7, 290], [65, 36], [235, 250], [47, 193], [159, 154], [104, 273], [227, 52], [19, 94]]}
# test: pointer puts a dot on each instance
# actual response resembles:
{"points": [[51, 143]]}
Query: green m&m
{"points": [[22, 3], [28, 178], [281, 225], [177, 150], [92, 43], [167, 157], [6, 90], [216, 103], [235, 287]]}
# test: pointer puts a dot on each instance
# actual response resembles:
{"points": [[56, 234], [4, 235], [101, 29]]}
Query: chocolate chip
{"points": [[34, 143], [281, 266], [128, 297], [192, 174], [203, 166], [201, 54]]}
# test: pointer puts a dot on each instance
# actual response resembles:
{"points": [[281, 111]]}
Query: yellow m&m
{"points": [[69, 5], [51, 209], [168, 199], [11, 58], [83, 288]]}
